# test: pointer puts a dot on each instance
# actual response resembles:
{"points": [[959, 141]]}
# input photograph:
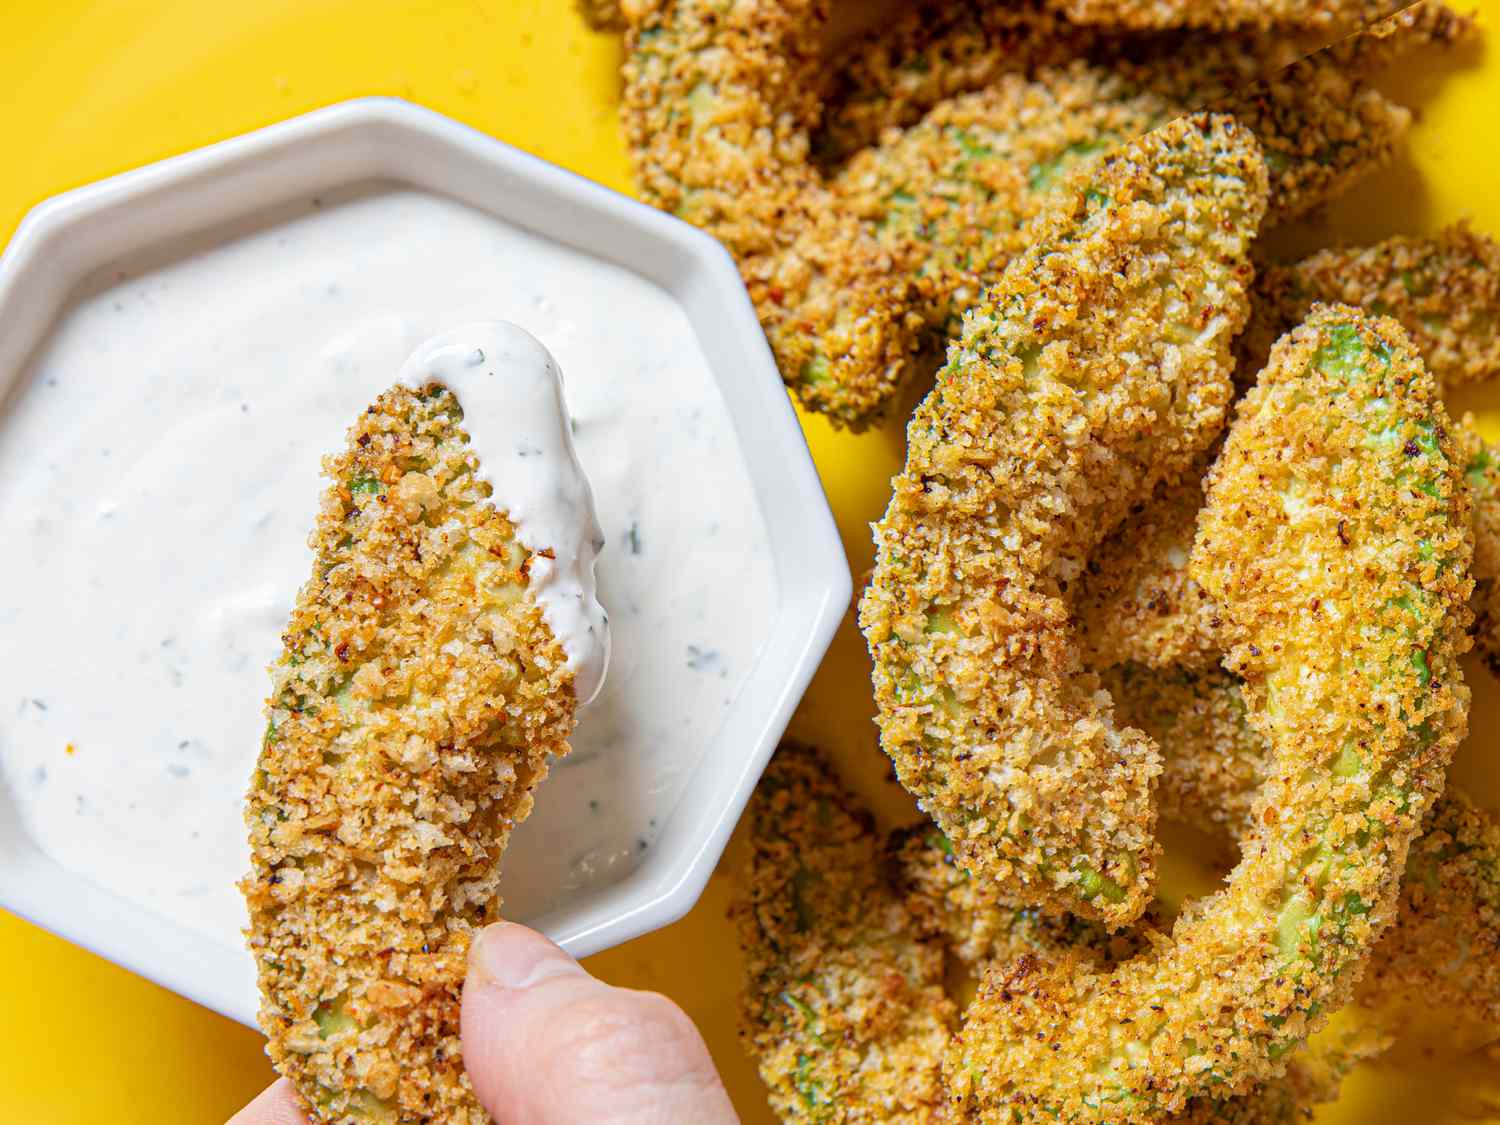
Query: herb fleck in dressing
{"points": [[159, 472]]}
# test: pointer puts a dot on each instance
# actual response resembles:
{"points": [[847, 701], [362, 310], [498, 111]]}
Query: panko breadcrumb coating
{"points": [[1322, 128], [1320, 121], [982, 930], [1340, 453], [417, 701], [1338, 15], [933, 51], [1483, 475], [1482, 472], [843, 1006], [963, 183], [978, 923], [1438, 967], [717, 106], [1095, 368], [1421, 25], [1441, 956], [1213, 761], [1137, 602], [809, 835], [1444, 290]]}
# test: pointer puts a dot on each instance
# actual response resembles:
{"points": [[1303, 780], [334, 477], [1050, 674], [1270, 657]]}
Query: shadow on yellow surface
{"points": [[94, 87]]}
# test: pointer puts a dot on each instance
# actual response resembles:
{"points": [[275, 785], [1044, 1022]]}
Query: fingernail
{"points": [[515, 957]]}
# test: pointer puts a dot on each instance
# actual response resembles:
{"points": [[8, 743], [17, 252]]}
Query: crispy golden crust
{"points": [[1482, 471], [1338, 15], [718, 101], [1314, 1074], [1445, 291], [1339, 453], [935, 51], [843, 1006], [981, 929], [977, 922], [979, 166], [1137, 601], [1483, 475], [416, 703], [932, 52], [1439, 963], [1319, 121], [840, 1034], [718, 105], [1426, 24], [1322, 128], [1322, 125], [1036, 441], [963, 183], [1213, 761]]}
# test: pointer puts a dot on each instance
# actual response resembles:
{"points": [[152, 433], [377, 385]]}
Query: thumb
{"points": [[547, 1044]]}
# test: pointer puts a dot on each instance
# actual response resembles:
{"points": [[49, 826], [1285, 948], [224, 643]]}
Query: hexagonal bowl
{"points": [[69, 237]]}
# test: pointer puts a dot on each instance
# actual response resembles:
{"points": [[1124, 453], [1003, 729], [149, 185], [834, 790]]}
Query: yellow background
{"points": [[92, 87]]}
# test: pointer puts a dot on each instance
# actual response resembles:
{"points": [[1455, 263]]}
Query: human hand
{"points": [[547, 1044]]}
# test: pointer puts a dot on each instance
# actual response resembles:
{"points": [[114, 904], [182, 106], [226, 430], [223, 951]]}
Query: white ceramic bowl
{"points": [[69, 237]]}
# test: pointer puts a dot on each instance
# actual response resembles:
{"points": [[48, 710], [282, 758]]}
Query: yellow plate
{"points": [[97, 86]]}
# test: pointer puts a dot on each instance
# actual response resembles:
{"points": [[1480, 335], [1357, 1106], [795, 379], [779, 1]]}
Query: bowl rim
{"points": [[68, 237]]}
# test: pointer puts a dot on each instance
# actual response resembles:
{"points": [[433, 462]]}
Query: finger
{"points": [[545, 1043], [275, 1105]]}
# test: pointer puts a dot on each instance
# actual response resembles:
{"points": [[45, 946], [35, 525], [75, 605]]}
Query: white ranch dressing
{"points": [[509, 384], [160, 468]]}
